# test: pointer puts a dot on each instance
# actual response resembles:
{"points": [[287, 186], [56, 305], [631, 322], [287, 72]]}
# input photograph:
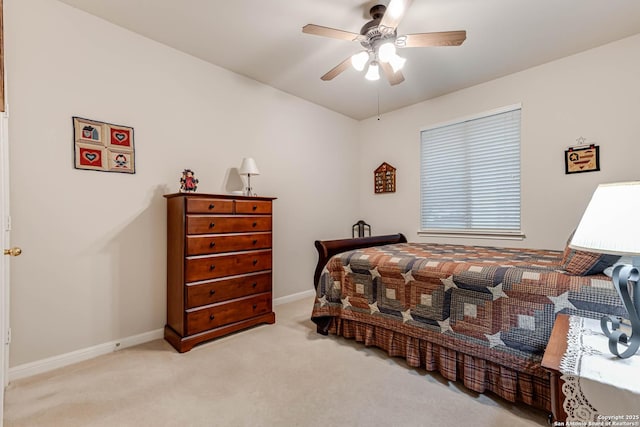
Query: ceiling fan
{"points": [[380, 40]]}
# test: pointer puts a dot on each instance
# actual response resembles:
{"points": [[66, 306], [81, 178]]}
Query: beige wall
{"points": [[93, 268], [595, 94]]}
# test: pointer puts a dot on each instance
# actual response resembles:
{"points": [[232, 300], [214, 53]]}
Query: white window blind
{"points": [[470, 175]]}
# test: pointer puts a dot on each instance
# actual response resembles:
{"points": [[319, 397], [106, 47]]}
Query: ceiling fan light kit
{"points": [[380, 40], [373, 73]]}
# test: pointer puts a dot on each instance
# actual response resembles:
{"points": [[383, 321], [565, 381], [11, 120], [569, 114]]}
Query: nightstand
{"points": [[556, 348], [590, 386]]}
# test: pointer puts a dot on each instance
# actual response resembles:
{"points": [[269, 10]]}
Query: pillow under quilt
{"points": [[583, 263]]}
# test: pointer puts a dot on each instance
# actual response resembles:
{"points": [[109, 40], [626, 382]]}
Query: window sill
{"points": [[479, 234]]}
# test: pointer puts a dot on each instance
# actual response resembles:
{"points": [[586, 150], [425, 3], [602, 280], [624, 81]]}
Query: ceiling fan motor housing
{"points": [[370, 30]]}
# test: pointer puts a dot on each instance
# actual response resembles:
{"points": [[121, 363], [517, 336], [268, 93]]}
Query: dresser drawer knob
{"points": [[254, 284], [254, 224], [255, 261], [255, 241], [255, 207], [212, 224], [212, 267], [211, 317], [212, 244], [255, 306], [212, 206], [212, 292]]}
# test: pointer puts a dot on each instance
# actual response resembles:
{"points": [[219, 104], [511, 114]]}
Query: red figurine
{"points": [[188, 181]]}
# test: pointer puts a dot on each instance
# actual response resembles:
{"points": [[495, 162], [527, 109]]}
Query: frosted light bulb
{"points": [[359, 60], [386, 52], [397, 62], [372, 72]]}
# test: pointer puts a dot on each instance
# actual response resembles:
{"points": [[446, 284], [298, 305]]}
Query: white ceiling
{"points": [[263, 40]]}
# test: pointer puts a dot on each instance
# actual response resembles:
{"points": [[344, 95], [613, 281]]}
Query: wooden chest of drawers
{"points": [[219, 252]]}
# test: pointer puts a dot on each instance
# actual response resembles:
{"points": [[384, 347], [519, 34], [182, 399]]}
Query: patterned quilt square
{"points": [[330, 283], [359, 288], [361, 262], [526, 321], [591, 301], [391, 294], [536, 282], [429, 300], [476, 276], [472, 313]]}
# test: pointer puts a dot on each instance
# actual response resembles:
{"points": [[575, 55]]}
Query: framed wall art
{"points": [[103, 146], [384, 179], [582, 159]]}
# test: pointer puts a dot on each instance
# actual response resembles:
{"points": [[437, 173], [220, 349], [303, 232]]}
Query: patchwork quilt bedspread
{"points": [[494, 303]]}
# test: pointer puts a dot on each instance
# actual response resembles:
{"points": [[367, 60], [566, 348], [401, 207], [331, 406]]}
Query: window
{"points": [[470, 176]]}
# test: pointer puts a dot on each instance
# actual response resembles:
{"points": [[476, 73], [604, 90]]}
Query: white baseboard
{"points": [[294, 297], [55, 362]]}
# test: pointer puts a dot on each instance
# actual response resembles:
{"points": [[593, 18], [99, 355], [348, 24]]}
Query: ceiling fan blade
{"points": [[337, 70], [394, 78], [445, 38], [393, 15], [319, 30]]}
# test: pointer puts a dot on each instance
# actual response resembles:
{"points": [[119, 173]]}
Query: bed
{"points": [[476, 314]]}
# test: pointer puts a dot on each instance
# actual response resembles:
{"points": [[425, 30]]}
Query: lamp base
{"points": [[249, 190], [624, 277]]}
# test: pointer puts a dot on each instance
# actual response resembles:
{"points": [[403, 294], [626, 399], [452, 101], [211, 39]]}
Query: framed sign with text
{"points": [[582, 159]]}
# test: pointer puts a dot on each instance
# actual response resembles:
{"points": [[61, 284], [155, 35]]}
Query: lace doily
{"points": [[576, 404], [597, 385]]}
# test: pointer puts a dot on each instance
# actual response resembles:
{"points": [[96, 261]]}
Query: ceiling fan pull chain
{"points": [[378, 91]]}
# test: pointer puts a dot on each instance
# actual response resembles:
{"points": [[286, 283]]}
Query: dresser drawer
{"points": [[209, 206], [202, 319], [210, 244], [205, 224], [253, 207], [226, 289], [212, 267]]}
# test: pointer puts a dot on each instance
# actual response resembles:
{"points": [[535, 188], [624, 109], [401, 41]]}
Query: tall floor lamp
{"points": [[249, 168], [611, 225]]}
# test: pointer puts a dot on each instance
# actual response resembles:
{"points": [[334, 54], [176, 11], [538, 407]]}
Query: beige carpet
{"points": [[273, 375]]}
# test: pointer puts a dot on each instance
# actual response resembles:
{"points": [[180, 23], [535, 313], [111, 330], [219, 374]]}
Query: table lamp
{"points": [[249, 168], [610, 225]]}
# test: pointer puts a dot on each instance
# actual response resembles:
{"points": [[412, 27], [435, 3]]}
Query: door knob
{"points": [[13, 251]]}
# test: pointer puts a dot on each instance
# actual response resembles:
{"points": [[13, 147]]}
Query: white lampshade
{"points": [[397, 62], [386, 51], [372, 73], [610, 223], [359, 60], [248, 167]]}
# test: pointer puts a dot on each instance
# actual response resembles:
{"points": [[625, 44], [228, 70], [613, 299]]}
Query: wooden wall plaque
{"points": [[384, 179]]}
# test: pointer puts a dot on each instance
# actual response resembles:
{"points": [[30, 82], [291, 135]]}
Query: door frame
{"points": [[5, 260], [5, 227]]}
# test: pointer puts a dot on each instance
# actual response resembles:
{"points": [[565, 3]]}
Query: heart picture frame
{"points": [[103, 146]]}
